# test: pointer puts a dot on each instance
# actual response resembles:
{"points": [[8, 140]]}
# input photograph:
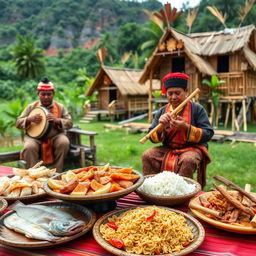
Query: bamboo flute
{"points": [[192, 95]]}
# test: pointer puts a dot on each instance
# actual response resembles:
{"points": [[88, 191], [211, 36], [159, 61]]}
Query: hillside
{"points": [[67, 23]]}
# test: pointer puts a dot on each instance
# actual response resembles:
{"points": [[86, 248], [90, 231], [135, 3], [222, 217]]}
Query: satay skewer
{"points": [[205, 209], [233, 186], [248, 202], [245, 200], [235, 202]]}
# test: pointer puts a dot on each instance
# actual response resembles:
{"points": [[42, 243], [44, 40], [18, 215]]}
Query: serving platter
{"points": [[197, 230], [92, 199], [235, 228], [12, 238], [23, 198]]}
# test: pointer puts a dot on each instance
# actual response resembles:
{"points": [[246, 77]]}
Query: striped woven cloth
{"points": [[216, 243]]}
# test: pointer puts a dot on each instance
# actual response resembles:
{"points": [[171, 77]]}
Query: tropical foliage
{"points": [[214, 94], [28, 58]]}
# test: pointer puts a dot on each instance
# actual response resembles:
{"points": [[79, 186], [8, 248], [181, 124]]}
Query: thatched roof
{"points": [[125, 79], [198, 46], [222, 42]]}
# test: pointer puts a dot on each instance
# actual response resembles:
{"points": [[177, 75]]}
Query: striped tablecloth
{"points": [[216, 243]]}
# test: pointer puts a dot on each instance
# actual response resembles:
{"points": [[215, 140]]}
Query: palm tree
{"points": [[28, 58], [106, 41]]}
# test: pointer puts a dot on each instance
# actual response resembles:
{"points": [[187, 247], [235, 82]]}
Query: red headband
{"points": [[45, 87]]}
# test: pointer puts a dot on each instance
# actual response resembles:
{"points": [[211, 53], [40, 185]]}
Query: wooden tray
{"points": [[11, 238], [3, 204], [89, 199], [24, 198], [218, 224], [197, 230]]}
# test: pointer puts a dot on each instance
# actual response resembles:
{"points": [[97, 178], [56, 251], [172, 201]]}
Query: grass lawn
{"points": [[119, 148]]}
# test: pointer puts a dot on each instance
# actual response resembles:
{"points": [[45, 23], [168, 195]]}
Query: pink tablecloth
{"points": [[216, 243]]}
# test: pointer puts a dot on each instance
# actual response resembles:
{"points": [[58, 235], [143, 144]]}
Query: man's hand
{"points": [[177, 124], [165, 119], [51, 117], [37, 118]]}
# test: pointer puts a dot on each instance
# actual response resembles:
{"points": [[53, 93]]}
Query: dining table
{"points": [[217, 242]]}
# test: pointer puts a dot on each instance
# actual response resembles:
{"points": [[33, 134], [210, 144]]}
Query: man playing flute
{"points": [[184, 137], [55, 145]]}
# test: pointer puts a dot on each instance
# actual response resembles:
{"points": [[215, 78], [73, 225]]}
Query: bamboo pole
{"points": [[244, 115], [233, 116], [211, 118], [192, 95], [150, 97], [227, 116]]}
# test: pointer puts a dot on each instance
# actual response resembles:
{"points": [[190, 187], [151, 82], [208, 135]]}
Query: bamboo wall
{"points": [[235, 83], [250, 82], [103, 98]]}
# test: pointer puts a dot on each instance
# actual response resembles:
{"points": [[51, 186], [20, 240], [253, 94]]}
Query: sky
{"points": [[178, 3]]}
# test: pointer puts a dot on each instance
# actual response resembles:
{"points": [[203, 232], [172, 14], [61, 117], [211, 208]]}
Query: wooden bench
{"points": [[77, 152]]}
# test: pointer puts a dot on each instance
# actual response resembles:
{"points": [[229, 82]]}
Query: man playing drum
{"points": [[184, 137], [54, 144]]}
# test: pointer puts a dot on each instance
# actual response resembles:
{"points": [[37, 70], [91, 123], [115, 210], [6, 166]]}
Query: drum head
{"points": [[40, 130]]}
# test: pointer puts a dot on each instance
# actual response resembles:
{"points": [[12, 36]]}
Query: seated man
{"points": [[53, 146], [184, 137]]}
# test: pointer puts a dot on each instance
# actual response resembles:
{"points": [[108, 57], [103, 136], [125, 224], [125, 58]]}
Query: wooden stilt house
{"points": [[119, 92], [229, 54]]}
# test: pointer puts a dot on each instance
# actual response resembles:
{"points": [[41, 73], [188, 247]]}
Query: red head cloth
{"points": [[45, 85], [174, 80]]}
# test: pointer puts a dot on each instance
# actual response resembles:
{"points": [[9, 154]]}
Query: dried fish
{"points": [[29, 229], [56, 221]]}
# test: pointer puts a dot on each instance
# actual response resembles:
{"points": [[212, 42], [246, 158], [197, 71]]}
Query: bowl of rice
{"points": [[167, 189]]}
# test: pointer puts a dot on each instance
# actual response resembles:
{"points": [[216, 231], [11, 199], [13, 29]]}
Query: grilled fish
{"points": [[54, 220], [29, 229]]}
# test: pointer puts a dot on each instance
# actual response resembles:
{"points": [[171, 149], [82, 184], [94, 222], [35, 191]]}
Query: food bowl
{"points": [[94, 199], [169, 200], [197, 229]]}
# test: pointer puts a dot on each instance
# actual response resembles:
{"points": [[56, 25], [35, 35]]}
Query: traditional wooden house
{"points": [[119, 92], [230, 54]]}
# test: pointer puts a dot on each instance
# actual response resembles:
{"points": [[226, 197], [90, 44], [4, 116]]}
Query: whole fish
{"points": [[29, 229], [55, 221]]}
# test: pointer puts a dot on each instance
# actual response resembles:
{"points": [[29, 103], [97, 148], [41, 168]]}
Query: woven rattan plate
{"points": [[218, 224], [88, 199], [3, 204], [24, 198], [169, 200], [12, 238], [197, 230]]}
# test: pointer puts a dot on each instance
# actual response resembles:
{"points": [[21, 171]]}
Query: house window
{"points": [[178, 65], [223, 64]]}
